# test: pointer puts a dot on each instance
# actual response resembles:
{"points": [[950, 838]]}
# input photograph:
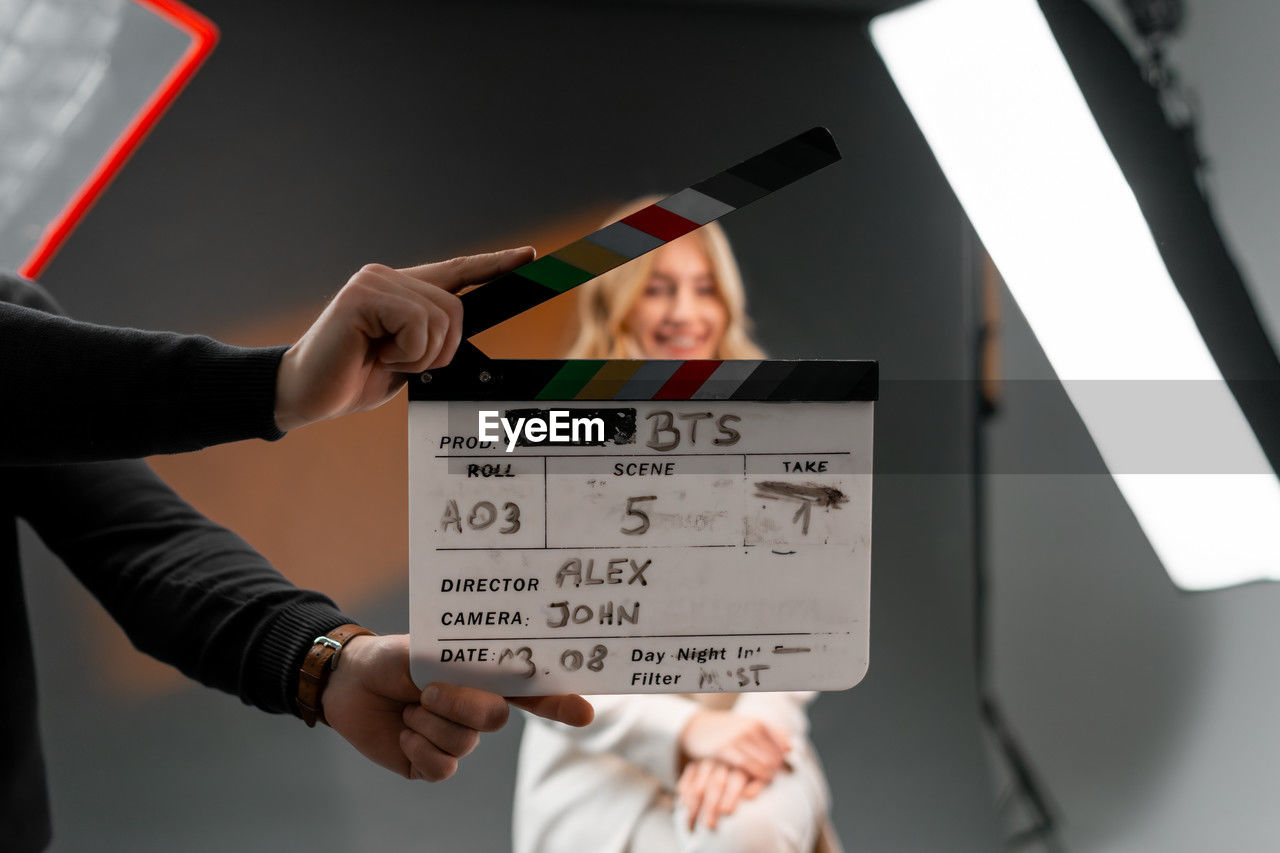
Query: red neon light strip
{"points": [[204, 35]]}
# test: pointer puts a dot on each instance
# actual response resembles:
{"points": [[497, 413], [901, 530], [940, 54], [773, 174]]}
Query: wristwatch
{"points": [[321, 660]]}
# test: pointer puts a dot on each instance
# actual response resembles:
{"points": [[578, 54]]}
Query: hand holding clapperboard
{"points": [[641, 526]]}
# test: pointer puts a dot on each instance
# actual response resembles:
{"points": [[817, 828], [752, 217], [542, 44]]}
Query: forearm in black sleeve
{"points": [[78, 391], [185, 590]]}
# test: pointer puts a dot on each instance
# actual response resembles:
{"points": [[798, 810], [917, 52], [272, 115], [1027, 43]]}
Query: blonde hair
{"points": [[603, 304]]}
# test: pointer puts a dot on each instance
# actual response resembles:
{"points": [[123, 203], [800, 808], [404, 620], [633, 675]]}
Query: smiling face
{"points": [[679, 313]]}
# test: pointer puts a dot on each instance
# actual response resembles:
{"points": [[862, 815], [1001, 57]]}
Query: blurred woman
{"points": [[706, 772], [682, 301]]}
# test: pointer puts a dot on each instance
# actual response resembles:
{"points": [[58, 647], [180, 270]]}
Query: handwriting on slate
{"points": [[808, 495], [582, 584], [667, 435]]}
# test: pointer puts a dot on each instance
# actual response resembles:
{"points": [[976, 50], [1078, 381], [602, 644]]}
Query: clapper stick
{"points": [[614, 245], [643, 231]]}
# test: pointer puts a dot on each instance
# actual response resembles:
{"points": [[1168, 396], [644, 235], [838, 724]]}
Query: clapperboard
{"points": [[633, 526]]}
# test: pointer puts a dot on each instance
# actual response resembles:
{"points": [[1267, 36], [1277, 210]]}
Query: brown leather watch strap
{"points": [[321, 660]]}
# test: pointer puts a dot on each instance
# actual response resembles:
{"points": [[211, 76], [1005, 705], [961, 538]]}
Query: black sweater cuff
{"points": [[230, 394], [274, 661]]}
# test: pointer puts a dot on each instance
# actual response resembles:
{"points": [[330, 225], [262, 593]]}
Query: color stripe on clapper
{"points": [[646, 229], [621, 380]]}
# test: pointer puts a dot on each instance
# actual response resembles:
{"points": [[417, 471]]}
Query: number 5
{"points": [[638, 513]]}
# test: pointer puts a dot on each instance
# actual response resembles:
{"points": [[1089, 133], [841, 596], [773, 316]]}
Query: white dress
{"points": [[589, 788]]}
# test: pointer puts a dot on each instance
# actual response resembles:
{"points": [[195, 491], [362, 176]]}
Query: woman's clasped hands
{"points": [[730, 757]]}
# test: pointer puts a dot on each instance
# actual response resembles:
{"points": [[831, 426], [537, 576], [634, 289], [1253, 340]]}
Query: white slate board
{"points": [[734, 557]]}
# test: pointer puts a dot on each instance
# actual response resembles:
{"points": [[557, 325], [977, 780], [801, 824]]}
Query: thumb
{"points": [[570, 709]]}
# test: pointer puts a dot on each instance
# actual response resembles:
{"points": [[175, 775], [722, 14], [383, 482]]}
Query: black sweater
{"points": [[78, 403]]}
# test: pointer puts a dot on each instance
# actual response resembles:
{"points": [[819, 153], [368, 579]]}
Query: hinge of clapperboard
{"points": [[472, 375]]}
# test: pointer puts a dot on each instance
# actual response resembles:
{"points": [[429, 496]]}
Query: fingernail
{"points": [[430, 695]]}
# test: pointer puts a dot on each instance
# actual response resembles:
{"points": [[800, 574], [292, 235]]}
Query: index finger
{"points": [[457, 273], [716, 781], [568, 708], [733, 788]]}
